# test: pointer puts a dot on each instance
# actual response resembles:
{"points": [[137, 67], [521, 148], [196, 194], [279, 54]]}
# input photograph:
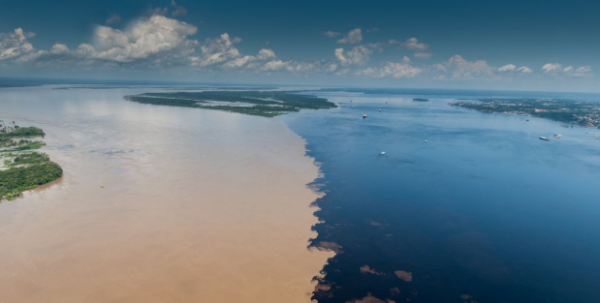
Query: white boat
{"points": [[365, 116], [544, 138], [382, 153]]}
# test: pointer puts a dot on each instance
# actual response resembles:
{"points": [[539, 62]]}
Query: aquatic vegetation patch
{"points": [[21, 168]]}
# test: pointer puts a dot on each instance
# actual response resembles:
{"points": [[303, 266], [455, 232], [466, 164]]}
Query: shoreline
{"points": [[214, 220]]}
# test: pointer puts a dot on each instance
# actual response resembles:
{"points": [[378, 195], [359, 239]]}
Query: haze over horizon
{"points": [[514, 45]]}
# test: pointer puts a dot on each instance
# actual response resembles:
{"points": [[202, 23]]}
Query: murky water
{"points": [[157, 204]]}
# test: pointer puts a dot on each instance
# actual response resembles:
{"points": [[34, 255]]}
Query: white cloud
{"points": [[160, 41], [556, 69], [85, 50], [525, 70], [507, 68], [423, 55], [415, 45], [263, 55], [113, 19], [58, 51], [299, 68], [354, 36], [15, 44], [392, 69], [358, 55], [276, 65], [59, 48], [512, 69], [218, 50], [331, 34], [584, 71], [460, 69], [551, 67], [157, 35]]}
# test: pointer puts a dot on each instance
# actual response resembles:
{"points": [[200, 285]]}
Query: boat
{"points": [[382, 153], [544, 138], [365, 116], [557, 136]]}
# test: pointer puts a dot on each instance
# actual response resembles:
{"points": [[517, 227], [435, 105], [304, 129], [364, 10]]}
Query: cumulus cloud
{"points": [[245, 61], [276, 65], [113, 19], [217, 50], [551, 67], [331, 34], [525, 70], [556, 69], [392, 69], [15, 44], [584, 71], [510, 68], [457, 68], [507, 68], [179, 10], [358, 55], [299, 68], [354, 36], [415, 45], [161, 41], [143, 39]]}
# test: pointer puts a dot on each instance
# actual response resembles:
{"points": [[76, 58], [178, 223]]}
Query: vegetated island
{"points": [[257, 103], [420, 100], [583, 113], [21, 168]]}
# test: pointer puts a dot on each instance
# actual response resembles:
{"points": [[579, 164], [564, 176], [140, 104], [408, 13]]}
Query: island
{"points": [[257, 103], [21, 168], [573, 112], [420, 100]]}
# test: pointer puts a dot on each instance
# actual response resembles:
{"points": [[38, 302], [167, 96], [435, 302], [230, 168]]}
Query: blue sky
{"points": [[521, 45]]}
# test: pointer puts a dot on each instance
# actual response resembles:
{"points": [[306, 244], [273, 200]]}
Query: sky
{"points": [[513, 45]]}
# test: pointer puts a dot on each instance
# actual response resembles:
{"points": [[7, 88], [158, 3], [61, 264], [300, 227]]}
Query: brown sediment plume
{"points": [[165, 205], [366, 269], [404, 275]]}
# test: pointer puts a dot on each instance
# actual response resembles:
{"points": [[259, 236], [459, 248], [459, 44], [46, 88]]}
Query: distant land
{"points": [[582, 113], [257, 103]]}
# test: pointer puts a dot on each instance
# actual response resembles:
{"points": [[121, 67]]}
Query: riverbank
{"points": [[160, 204]]}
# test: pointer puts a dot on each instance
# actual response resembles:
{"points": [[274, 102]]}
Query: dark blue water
{"points": [[474, 206]]}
